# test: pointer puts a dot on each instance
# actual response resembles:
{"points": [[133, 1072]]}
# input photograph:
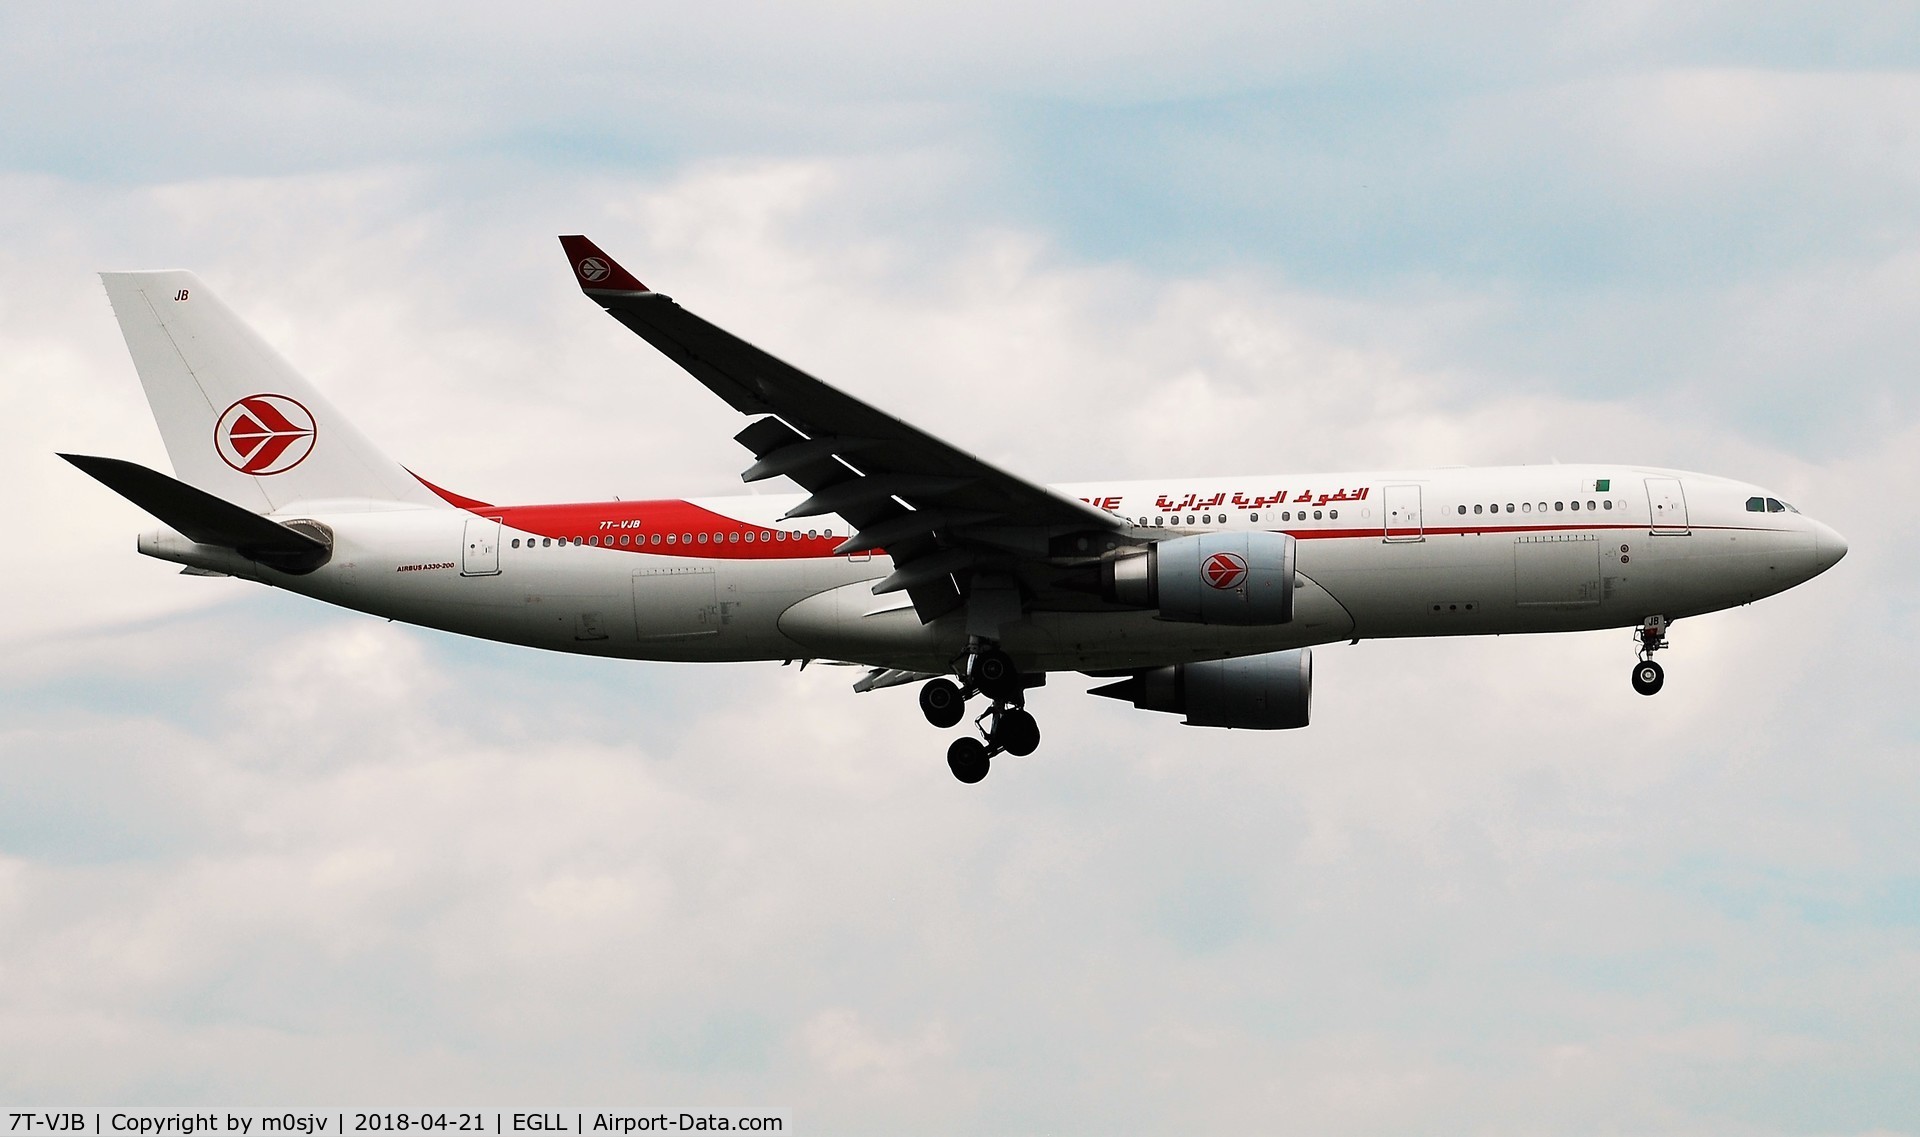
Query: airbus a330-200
{"points": [[1201, 597]]}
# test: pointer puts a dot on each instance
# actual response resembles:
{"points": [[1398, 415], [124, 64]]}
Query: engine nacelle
{"points": [[1211, 578], [1254, 692]]}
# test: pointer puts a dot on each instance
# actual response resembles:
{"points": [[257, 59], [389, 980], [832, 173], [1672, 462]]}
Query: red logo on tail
{"points": [[593, 270], [264, 434], [1224, 571]]}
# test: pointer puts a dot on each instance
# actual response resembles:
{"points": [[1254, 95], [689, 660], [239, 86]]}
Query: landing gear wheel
{"points": [[1017, 733], [995, 674], [1648, 677], [942, 702], [968, 760]]}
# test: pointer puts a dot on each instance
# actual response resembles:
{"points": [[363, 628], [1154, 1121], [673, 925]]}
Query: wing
{"points": [[944, 516]]}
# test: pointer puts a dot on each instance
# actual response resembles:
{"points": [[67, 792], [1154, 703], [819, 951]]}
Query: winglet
{"points": [[595, 270]]}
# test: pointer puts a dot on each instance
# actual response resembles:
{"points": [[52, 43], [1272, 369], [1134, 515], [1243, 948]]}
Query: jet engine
{"points": [[1254, 692], [1211, 578]]}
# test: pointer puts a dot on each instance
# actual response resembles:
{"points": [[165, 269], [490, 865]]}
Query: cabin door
{"points": [[1400, 512], [1668, 503], [481, 557]]}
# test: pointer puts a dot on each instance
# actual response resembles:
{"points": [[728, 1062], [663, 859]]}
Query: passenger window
{"points": [[1509, 507], [655, 539], [1608, 503], [1333, 515], [1559, 506], [1476, 509], [1526, 507], [1190, 519], [546, 540], [1316, 515], [1590, 504], [1463, 510], [1159, 520], [1254, 517], [1573, 505], [765, 536], [733, 538], [516, 542], [593, 540], [1756, 505]]}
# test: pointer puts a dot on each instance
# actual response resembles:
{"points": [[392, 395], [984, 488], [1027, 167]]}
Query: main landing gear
{"points": [[1648, 676], [1005, 726]]}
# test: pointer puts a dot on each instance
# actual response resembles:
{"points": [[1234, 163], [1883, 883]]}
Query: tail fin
{"points": [[238, 421]]}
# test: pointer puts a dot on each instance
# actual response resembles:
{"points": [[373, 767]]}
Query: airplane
{"points": [[1201, 597]]}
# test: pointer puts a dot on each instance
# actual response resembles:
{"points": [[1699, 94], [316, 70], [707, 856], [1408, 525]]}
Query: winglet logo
{"points": [[264, 434], [1224, 571], [593, 270]]}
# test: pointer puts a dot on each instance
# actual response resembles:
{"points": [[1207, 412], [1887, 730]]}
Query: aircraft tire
{"points": [[968, 760], [1648, 677], [1017, 733], [942, 702], [996, 675]]}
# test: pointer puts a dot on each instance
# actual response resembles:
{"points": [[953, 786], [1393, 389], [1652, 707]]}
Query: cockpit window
{"points": [[1756, 505], [1775, 505]]}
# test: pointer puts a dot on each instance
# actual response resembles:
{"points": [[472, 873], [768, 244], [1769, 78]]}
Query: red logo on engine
{"points": [[264, 434], [1224, 571]]}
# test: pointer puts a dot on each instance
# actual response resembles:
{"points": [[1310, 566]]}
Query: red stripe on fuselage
{"points": [[728, 538], [725, 538], [458, 501]]}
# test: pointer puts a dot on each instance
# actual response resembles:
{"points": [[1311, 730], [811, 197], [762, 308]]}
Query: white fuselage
{"points": [[1420, 553]]}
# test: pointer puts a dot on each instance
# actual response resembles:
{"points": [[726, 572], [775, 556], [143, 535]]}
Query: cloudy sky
{"points": [[254, 852]]}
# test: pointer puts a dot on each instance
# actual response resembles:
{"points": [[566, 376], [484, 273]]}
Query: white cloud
{"points": [[253, 851]]}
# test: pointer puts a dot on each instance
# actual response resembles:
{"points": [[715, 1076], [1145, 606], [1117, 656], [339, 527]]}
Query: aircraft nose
{"points": [[1828, 547]]}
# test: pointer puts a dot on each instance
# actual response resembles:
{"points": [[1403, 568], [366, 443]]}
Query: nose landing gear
{"points": [[1648, 676], [1008, 727]]}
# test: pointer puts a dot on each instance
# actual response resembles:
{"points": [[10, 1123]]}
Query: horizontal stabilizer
{"points": [[205, 519]]}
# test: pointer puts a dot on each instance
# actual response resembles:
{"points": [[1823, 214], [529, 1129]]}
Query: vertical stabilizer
{"points": [[237, 419]]}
